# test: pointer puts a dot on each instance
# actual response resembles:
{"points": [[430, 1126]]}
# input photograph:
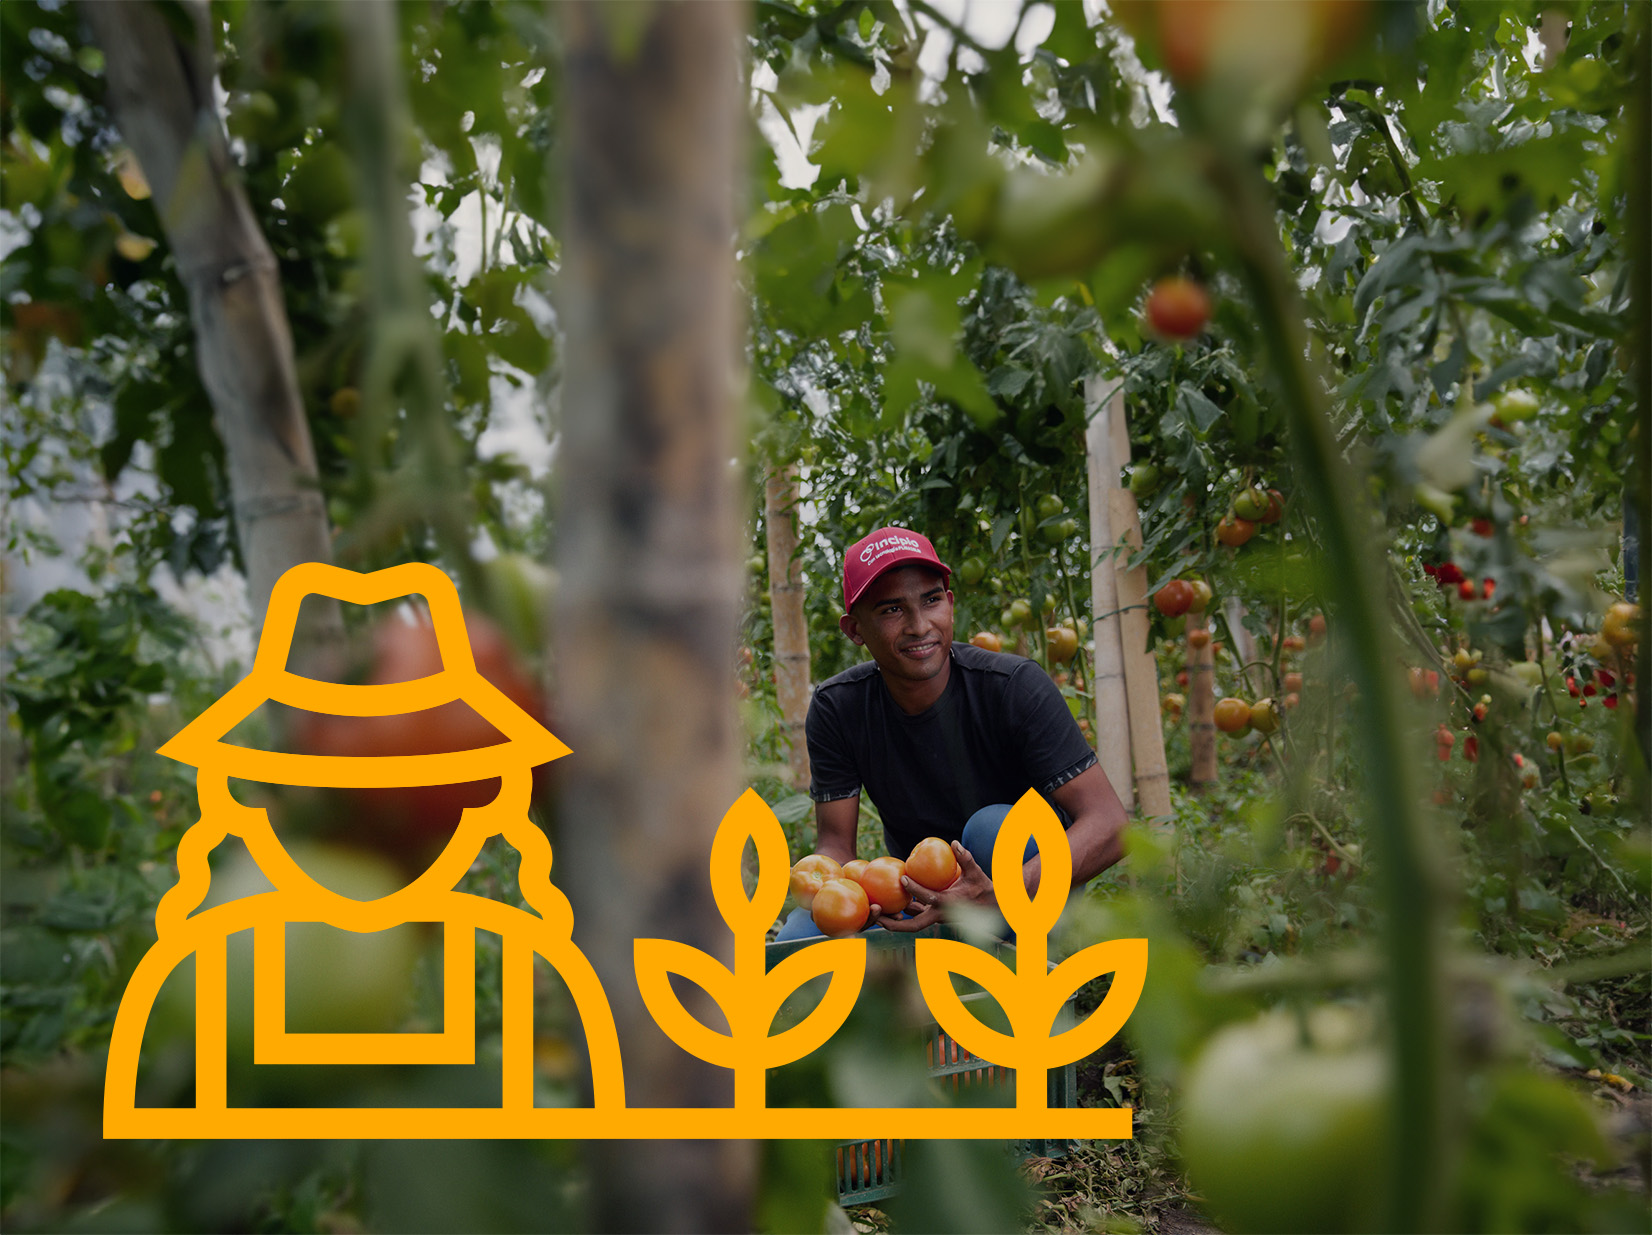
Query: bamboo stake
{"points": [[1141, 667], [1110, 690], [791, 629]]}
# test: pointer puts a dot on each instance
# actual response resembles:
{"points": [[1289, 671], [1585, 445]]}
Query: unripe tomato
{"points": [[1049, 506], [931, 864], [1278, 1136], [1174, 598], [988, 640], [972, 570], [1144, 479], [1177, 308], [1252, 503], [1063, 642], [840, 908], [1621, 625], [882, 882], [1264, 716], [1020, 610], [1232, 716], [1202, 595], [809, 874], [1515, 405], [1233, 531]]}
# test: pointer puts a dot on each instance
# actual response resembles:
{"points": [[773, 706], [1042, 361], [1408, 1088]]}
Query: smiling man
{"points": [[943, 736]]}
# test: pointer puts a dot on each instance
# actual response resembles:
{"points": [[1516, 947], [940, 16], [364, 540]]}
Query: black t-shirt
{"points": [[1000, 727]]}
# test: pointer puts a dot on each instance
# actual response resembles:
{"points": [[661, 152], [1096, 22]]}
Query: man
{"points": [[945, 737]]}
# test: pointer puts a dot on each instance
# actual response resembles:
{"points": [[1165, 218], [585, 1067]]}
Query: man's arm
{"points": [[1096, 839], [836, 823]]}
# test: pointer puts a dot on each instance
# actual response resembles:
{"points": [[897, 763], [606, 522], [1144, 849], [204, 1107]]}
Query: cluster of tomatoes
{"points": [[1236, 718], [1449, 574], [840, 898], [1252, 508]]}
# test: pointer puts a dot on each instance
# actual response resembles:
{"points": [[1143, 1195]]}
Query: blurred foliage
{"points": [[933, 320]]}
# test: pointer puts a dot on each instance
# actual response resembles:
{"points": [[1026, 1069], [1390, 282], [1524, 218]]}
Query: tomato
{"points": [[853, 868], [1278, 1136], [972, 570], [1264, 716], [986, 639], [809, 873], [1174, 598], [1234, 531], [1202, 595], [1316, 627], [1252, 504], [1177, 308], [931, 864], [1049, 506], [1019, 611], [840, 908], [1144, 479], [1294, 643], [1063, 643], [1620, 627], [1198, 637], [411, 823], [1554, 741], [881, 881], [1275, 509], [345, 402], [1055, 533], [1232, 716], [1515, 405], [1293, 681], [1291, 700]]}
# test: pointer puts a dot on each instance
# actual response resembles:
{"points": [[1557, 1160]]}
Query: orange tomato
{"points": [[1234, 531], [987, 640], [881, 880], [853, 868], [840, 908], [1232, 716], [1177, 308], [809, 874], [932, 865], [1198, 638]]}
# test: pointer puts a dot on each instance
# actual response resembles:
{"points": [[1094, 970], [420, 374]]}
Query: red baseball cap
{"points": [[882, 551]]}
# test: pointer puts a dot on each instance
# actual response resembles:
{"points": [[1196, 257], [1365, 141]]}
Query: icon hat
{"points": [[526, 743], [882, 551]]}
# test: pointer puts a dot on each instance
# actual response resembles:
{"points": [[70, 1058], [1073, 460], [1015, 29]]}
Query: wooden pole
{"points": [[1141, 667], [1113, 733], [650, 128], [791, 627]]}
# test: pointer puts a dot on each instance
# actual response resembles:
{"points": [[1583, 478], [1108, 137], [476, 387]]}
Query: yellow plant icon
{"points": [[748, 996], [1033, 993]]}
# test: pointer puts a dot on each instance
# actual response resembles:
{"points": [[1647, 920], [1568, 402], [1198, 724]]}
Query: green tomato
{"points": [[971, 571], [1144, 479], [1279, 1136], [1018, 612], [1515, 405], [1251, 504], [1049, 506]]}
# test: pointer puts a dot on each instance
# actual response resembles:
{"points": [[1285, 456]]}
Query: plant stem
{"points": [[1409, 877]]}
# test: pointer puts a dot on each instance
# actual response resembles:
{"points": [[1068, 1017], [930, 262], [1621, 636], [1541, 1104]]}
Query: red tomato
{"points": [[882, 881], [840, 907], [931, 864], [411, 823], [1174, 598], [809, 874], [1177, 308], [987, 640]]}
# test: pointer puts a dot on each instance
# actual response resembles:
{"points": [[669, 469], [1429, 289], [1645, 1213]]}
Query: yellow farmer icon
{"points": [[185, 929], [748, 992]]}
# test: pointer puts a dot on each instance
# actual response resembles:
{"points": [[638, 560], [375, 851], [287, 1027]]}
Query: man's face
{"points": [[905, 620]]}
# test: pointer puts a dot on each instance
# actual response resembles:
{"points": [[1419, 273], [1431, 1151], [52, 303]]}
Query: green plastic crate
{"points": [[870, 1170]]}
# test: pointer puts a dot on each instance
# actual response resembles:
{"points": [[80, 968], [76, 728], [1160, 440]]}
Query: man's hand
{"points": [[972, 887]]}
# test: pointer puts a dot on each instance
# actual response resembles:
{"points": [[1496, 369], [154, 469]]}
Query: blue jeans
{"points": [[980, 835]]}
